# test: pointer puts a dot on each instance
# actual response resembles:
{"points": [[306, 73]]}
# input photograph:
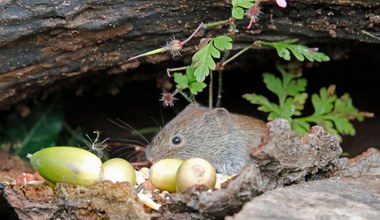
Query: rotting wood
{"points": [[44, 46], [335, 198]]}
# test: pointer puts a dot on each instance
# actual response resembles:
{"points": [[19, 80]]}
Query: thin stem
{"points": [[185, 96], [193, 34], [210, 88], [217, 23], [220, 79], [168, 70], [164, 49], [156, 51], [220, 88], [369, 34], [236, 55]]}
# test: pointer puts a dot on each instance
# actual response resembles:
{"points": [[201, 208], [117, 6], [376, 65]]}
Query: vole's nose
{"points": [[151, 156]]}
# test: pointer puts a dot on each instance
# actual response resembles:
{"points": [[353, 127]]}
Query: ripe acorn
{"points": [[163, 174], [118, 170], [195, 171]]}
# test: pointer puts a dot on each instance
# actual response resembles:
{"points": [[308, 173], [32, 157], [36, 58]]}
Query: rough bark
{"points": [[353, 192], [334, 198], [47, 44], [38, 202]]}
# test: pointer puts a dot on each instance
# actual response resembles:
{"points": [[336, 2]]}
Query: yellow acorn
{"points": [[118, 170], [162, 174]]}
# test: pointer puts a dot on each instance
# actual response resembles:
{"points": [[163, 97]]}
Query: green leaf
{"points": [[300, 126], [189, 81], [284, 53], [344, 106], [257, 99], [243, 3], [343, 126], [286, 111], [323, 103], [299, 100], [38, 130], [284, 88], [328, 126], [330, 112], [273, 83], [300, 52], [238, 13], [181, 80], [203, 60], [190, 74], [291, 85], [223, 43], [197, 87], [287, 86], [238, 7]]}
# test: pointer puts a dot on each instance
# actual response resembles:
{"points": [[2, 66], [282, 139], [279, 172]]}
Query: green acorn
{"points": [[67, 165]]}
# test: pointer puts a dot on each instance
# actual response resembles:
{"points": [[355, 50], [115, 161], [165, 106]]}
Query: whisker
{"points": [[131, 148], [162, 118], [142, 157], [126, 153], [156, 122], [121, 155], [133, 156], [126, 126], [117, 142]]}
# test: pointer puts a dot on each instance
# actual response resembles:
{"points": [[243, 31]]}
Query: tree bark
{"points": [[47, 44]]}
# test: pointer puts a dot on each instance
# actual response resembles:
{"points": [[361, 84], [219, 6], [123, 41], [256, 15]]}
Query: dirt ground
{"points": [[12, 166]]}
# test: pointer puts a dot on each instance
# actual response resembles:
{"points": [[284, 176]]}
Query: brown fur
{"points": [[222, 138]]}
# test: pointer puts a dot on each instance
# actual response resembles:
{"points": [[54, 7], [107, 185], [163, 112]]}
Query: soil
{"points": [[12, 166]]}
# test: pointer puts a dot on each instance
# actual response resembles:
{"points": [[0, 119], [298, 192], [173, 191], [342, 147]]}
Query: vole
{"points": [[221, 137]]}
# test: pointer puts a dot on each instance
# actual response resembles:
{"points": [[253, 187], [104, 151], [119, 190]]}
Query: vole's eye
{"points": [[177, 140]]}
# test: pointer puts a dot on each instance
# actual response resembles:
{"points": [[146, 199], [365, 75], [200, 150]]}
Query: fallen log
{"points": [[48, 45], [334, 198]]}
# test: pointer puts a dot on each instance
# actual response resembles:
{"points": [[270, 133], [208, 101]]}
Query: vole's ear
{"points": [[189, 110], [193, 105], [218, 115]]}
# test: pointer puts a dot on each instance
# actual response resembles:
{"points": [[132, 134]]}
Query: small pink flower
{"points": [[253, 13], [281, 3], [174, 46], [168, 99]]}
